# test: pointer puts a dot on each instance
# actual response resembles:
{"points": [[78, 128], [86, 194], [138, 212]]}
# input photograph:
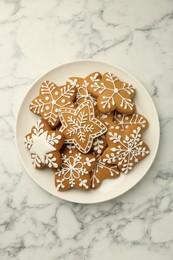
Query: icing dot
{"points": [[126, 118], [56, 110], [56, 93], [53, 102], [47, 98], [63, 101], [47, 107], [116, 90]]}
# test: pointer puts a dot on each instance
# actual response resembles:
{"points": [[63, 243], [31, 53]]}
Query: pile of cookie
{"points": [[89, 130]]}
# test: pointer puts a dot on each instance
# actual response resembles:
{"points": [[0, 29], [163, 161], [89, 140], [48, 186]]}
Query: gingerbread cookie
{"points": [[102, 171], [44, 145], [125, 148], [123, 121], [80, 126], [106, 118], [51, 98], [99, 144], [111, 94], [81, 84], [74, 171]]}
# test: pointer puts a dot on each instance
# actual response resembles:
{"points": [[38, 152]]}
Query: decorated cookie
{"points": [[125, 148], [81, 84], [106, 118], [111, 94], [44, 145], [51, 99], [102, 171], [80, 126], [99, 144], [74, 171], [123, 121]]}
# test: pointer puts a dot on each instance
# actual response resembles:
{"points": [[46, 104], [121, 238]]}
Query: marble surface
{"points": [[34, 37]]}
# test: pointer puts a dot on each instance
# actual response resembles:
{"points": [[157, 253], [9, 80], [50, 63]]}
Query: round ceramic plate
{"points": [[109, 188]]}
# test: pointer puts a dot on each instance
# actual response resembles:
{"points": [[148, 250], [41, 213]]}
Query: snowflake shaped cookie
{"points": [[81, 84], [74, 171], [111, 94], [80, 126], [123, 121], [102, 171], [51, 98], [44, 145], [125, 148]]}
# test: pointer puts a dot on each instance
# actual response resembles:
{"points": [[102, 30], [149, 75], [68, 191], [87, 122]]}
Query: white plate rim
{"points": [[104, 63]]}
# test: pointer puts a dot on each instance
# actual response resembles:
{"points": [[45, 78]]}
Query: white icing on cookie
{"points": [[110, 100], [73, 170], [102, 167], [129, 148], [81, 126], [124, 121], [41, 144], [55, 97]]}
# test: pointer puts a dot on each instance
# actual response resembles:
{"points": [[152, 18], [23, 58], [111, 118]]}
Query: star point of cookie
{"points": [[51, 98], [81, 84], [111, 94], [123, 121], [75, 169], [80, 126], [103, 171], [125, 148], [44, 145]]}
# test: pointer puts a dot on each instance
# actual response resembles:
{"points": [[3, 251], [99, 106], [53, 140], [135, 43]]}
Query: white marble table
{"points": [[34, 37]]}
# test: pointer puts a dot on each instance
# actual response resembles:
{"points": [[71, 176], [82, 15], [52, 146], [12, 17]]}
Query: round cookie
{"points": [[113, 94], [123, 121], [80, 126], [44, 145], [74, 171], [125, 148], [51, 98]]}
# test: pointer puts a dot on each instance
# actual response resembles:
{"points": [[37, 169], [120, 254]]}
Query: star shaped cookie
{"points": [[74, 171], [103, 171], [80, 126], [111, 94], [44, 145], [123, 121], [51, 98], [81, 84], [125, 148]]}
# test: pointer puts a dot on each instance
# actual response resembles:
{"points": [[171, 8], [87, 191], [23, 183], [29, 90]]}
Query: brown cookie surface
{"points": [[81, 84], [51, 98], [44, 145], [80, 126], [113, 94], [103, 171], [125, 148], [123, 121], [99, 144], [74, 171]]}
